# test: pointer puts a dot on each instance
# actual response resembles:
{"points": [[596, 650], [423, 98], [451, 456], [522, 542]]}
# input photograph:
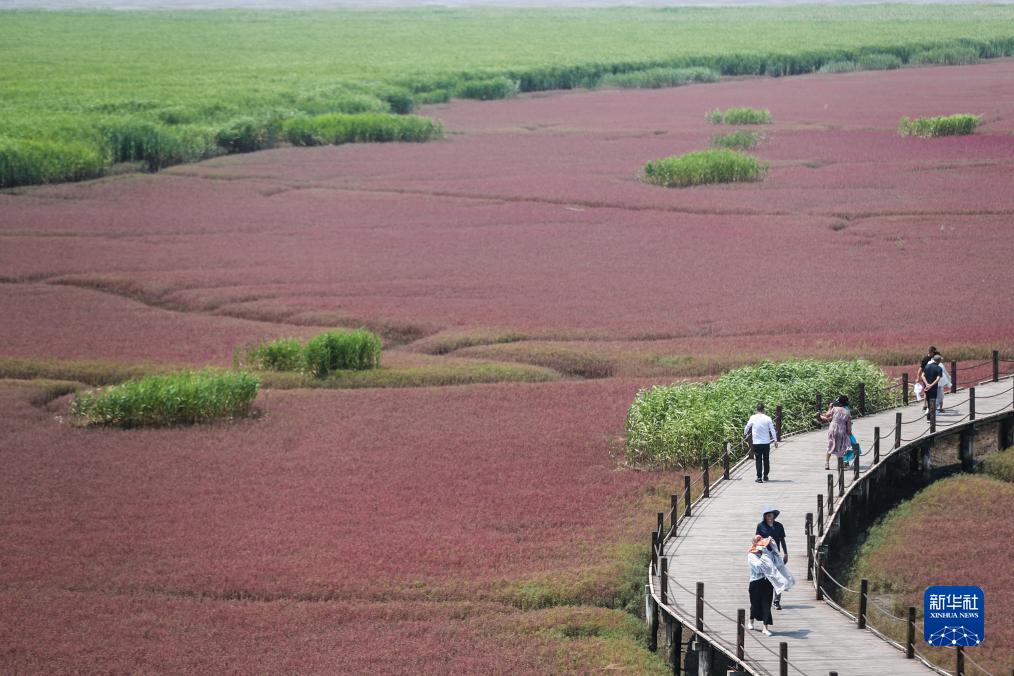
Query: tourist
{"points": [[761, 431], [931, 376], [920, 381], [761, 589], [839, 434], [773, 530], [945, 381]]}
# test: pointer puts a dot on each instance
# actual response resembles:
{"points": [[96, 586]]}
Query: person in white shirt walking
{"points": [[761, 430]]}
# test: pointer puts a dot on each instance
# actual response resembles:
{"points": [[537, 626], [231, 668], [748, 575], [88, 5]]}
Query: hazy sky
{"points": [[324, 4]]}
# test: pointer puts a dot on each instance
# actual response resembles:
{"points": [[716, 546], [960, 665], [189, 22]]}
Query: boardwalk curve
{"points": [[710, 546]]}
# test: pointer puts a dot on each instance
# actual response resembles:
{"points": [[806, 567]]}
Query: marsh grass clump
{"points": [[26, 162], [705, 166], [489, 89], [950, 125], [182, 398], [950, 56], [737, 140], [686, 423], [338, 128], [656, 78], [879, 62], [357, 350], [284, 354], [839, 67], [740, 116]]}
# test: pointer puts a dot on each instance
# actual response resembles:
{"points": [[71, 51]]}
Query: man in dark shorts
{"points": [[931, 374], [922, 367]]}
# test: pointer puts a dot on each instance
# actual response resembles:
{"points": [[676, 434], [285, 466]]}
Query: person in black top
{"points": [[931, 374], [919, 378], [769, 528]]}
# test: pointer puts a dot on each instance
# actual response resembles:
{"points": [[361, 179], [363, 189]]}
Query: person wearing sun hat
{"points": [[769, 528]]}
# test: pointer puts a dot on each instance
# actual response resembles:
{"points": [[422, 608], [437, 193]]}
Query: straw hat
{"points": [[759, 544]]}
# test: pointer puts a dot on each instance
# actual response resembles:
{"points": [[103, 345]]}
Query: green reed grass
{"points": [[839, 67], [683, 424], [655, 78], [879, 62], [1000, 465], [284, 354], [737, 140], [194, 79], [740, 116], [950, 125], [950, 56], [182, 398], [499, 87], [705, 166], [342, 350], [339, 128]]}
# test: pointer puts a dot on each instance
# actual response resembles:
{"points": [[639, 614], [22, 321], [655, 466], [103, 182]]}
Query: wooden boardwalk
{"points": [[711, 547]]}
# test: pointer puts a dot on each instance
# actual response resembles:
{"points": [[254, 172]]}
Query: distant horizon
{"points": [[435, 4]]}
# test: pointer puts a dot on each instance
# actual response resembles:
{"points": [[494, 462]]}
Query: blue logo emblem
{"points": [[954, 616]]}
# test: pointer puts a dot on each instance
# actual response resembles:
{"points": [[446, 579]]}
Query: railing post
{"points": [[820, 409], [700, 607], [725, 461], [910, 638], [959, 667], [740, 633], [971, 403], [996, 365], [817, 575], [841, 478], [663, 580], [933, 418], [820, 515], [855, 464], [707, 480], [686, 495], [864, 591], [654, 550], [876, 445], [661, 527], [954, 376], [830, 493], [897, 430], [783, 659], [652, 620], [811, 541], [674, 508], [862, 398], [778, 422], [904, 388]]}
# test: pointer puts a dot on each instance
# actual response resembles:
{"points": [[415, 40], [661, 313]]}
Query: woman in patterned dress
{"points": [[839, 433]]}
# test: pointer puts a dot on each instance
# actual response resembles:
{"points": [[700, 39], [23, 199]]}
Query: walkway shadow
{"points": [[795, 606], [798, 633]]}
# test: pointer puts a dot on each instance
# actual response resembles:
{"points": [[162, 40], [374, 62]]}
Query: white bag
{"points": [[918, 391]]}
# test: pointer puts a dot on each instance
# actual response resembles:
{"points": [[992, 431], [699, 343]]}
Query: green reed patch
{"points": [[950, 125], [342, 350], [737, 140], [839, 67], [683, 424], [284, 354], [705, 166], [740, 116], [182, 398], [879, 62], [26, 162], [337, 128], [950, 56], [656, 78], [489, 89]]}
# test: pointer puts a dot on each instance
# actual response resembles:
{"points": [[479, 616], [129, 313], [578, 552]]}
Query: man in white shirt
{"points": [[761, 429]]}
